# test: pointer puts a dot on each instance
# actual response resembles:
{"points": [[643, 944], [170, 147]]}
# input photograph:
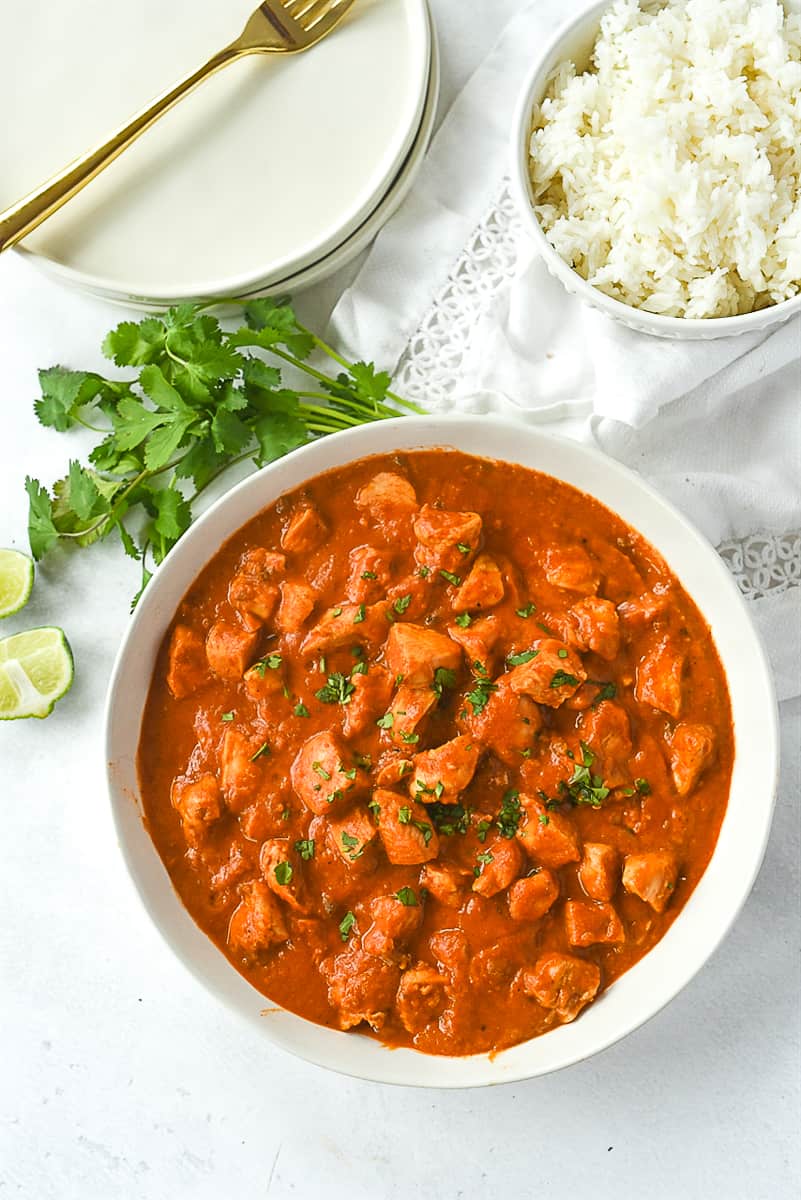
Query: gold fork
{"points": [[276, 27]]}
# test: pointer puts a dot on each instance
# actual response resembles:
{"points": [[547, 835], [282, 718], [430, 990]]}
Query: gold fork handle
{"points": [[29, 212]]}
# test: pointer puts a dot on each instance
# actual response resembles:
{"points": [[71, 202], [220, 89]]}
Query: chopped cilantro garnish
{"points": [[451, 578], [482, 829], [643, 787], [449, 819], [346, 925], [424, 572], [369, 575], [464, 619], [510, 814], [229, 716], [321, 771], [361, 612], [407, 897], [300, 709], [283, 873], [338, 690], [443, 678], [402, 603], [527, 610], [544, 819], [583, 787], [480, 694], [517, 660], [404, 814], [335, 795], [411, 739], [305, 848], [608, 692], [262, 751], [359, 668], [386, 722], [425, 829], [563, 679], [562, 653], [336, 612], [349, 843], [483, 860], [463, 548], [286, 814]]}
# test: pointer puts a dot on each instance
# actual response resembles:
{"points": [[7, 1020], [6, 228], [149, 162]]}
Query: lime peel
{"points": [[36, 670]]}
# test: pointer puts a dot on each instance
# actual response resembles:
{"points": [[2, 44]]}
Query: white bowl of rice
{"points": [[657, 162]]}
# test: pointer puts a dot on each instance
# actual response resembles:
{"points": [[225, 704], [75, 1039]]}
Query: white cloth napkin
{"points": [[716, 426]]}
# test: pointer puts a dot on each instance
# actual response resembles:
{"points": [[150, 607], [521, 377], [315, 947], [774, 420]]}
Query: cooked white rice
{"points": [[669, 174]]}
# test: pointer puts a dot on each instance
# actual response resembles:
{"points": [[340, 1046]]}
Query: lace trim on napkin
{"points": [[428, 369], [763, 564]]}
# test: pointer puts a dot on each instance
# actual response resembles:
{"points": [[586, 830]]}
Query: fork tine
{"points": [[329, 11], [296, 8]]}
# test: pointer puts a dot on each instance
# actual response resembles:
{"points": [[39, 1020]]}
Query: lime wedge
{"points": [[35, 671], [16, 581]]}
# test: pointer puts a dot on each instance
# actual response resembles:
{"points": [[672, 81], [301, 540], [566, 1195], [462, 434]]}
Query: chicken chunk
{"points": [[550, 838], [199, 804], [304, 532], [652, 877], [371, 695], [637, 615], [253, 595], [347, 625], [591, 923], [596, 627], [241, 774], [393, 924], [499, 864], [353, 837], [361, 987], [369, 575], [445, 772], [659, 677], [562, 982], [551, 676], [230, 649], [599, 872], [423, 995], [495, 966], [409, 708], [692, 748], [388, 499], [478, 639], [415, 653], [187, 668], [446, 539], [393, 770], [258, 921], [607, 731], [281, 870], [572, 569], [297, 604], [507, 724], [531, 898], [482, 589], [405, 829], [446, 882], [323, 776], [265, 678]]}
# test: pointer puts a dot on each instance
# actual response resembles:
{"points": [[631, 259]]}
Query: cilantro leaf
{"points": [[134, 343], [42, 533]]}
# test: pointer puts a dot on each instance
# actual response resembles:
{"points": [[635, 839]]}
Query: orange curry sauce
{"points": [[436, 747]]}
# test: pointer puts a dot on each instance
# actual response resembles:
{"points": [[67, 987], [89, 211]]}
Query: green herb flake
{"points": [[369, 575], [482, 829], [463, 620], [527, 610], [425, 829], [544, 819], [449, 576], [300, 709], [407, 897], [361, 613], [510, 814], [479, 696], [283, 873], [404, 815], [517, 660], [346, 925], [449, 819], [321, 771], [402, 603], [262, 752], [286, 814], [337, 690], [643, 787], [583, 787], [229, 716], [463, 548], [386, 722], [411, 739], [336, 612], [443, 678], [424, 572], [305, 848], [563, 679], [483, 860], [335, 795], [350, 843], [360, 668]]}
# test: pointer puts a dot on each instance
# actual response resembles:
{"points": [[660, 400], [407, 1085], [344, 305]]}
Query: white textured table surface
{"points": [[121, 1078]]}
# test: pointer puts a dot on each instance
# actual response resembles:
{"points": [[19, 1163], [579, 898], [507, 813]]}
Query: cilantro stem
{"points": [[331, 352]]}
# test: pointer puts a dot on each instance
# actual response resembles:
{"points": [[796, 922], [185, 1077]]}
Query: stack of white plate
{"points": [[269, 177]]}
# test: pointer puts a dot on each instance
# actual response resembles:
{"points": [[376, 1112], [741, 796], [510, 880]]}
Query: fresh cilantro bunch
{"points": [[200, 399]]}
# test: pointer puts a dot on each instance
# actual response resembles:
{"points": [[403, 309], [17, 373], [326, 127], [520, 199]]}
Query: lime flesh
{"points": [[16, 581], [35, 671]]}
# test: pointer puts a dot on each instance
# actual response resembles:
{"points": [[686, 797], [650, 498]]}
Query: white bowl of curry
{"points": [[443, 751]]}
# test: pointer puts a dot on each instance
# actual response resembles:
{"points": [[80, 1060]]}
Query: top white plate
{"points": [[265, 168]]}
